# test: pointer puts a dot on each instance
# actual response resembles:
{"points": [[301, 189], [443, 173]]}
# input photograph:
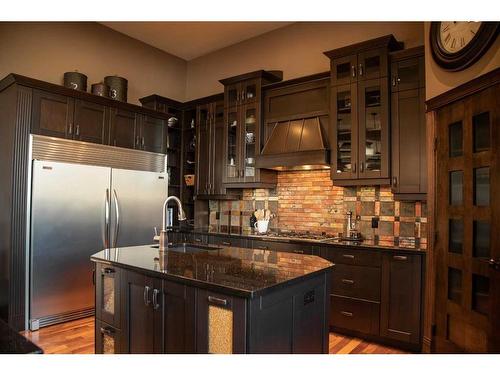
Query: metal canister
{"points": [[100, 89], [117, 87], [75, 80]]}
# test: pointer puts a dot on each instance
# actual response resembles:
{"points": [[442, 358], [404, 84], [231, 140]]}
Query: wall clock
{"points": [[457, 45]]}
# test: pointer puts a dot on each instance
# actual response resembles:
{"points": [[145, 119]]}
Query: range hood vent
{"points": [[295, 145]]}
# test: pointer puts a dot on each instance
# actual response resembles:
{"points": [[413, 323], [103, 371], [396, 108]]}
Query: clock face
{"points": [[455, 36]]}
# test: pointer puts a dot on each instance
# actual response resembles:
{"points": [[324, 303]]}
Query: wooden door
{"points": [[372, 64], [124, 129], [175, 319], [153, 134], [218, 149], [468, 224], [400, 312], [344, 132], [137, 313], [373, 128], [220, 323], [409, 166], [344, 70], [91, 122], [232, 135], [408, 74], [52, 114], [203, 167]]}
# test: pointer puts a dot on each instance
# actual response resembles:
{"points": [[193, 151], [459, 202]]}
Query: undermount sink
{"points": [[188, 248]]}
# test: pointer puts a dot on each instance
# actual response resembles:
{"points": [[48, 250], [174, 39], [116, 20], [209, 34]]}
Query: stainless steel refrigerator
{"points": [[78, 209]]}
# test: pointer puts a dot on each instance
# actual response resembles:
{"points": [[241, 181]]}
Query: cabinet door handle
{"points": [[156, 305], [70, 128], [77, 131], [360, 70], [361, 167], [262, 247], [107, 270], [348, 256], [394, 181], [353, 71], [137, 140], [142, 142], [400, 257], [347, 313], [394, 80], [217, 301], [226, 243], [107, 331], [354, 167], [147, 301], [348, 281]]}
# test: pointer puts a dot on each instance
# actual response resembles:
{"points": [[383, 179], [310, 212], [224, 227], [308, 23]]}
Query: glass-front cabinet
{"points": [[242, 137], [108, 296], [360, 112]]}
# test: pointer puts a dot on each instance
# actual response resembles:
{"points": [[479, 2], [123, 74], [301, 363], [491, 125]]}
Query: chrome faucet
{"points": [[181, 217]]}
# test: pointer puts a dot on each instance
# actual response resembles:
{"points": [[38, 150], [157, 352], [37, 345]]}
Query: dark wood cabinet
{"points": [[90, 122], [242, 130], [400, 316], [409, 166], [107, 298], [108, 339], [221, 323], [52, 114], [360, 121], [124, 128], [153, 136]]}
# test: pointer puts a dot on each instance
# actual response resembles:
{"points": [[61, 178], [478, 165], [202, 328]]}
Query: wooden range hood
{"points": [[295, 145]]}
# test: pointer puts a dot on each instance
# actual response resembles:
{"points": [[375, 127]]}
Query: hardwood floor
{"points": [[78, 337]]}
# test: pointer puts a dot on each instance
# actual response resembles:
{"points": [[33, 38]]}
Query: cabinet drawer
{"points": [[356, 281], [197, 238], [227, 241], [107, 338], [355, 315], [355, 257]]}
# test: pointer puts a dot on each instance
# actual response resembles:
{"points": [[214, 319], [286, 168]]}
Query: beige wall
{"points": [[438, 80], [46, 50], [296, 49]]}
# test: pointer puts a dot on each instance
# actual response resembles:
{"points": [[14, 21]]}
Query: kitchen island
{"points": [[210, 299]]}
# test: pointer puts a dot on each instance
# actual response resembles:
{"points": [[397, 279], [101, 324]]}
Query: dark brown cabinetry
{"points": [[359, 115], [210, 155], [107, 302], [242, 130], [108, 339], [409, 167], [400, 316], [124, 128]]}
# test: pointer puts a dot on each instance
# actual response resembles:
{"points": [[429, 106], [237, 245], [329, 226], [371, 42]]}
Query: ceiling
{"points": [[189, 40]]}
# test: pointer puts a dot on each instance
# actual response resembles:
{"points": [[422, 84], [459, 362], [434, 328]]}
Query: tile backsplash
{"points": [[308, 201]]}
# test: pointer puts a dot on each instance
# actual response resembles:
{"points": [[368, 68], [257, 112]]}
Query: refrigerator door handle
{"points": [[106, 220], [117, 211]]}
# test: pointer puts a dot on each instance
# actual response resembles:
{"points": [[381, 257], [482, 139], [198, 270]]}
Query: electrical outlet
{"points": [[375, 222]]}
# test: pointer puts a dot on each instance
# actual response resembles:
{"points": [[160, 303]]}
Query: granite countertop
{"points": [[364, 244], [12, 342], [237, 271]]}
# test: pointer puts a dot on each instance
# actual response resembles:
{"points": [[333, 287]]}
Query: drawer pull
{"points": [[298, 251], [400, 257], [226, 243], [217, 301], [347, 313], [107, 330], [108, 270], [263, 247], [348, 281], [348, 256]]}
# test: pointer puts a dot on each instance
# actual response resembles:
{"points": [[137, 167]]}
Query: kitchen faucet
{"points": [[181, 217]]}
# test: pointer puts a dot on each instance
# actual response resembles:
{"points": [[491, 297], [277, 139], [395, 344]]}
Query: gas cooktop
{"points": [[299, 235]]}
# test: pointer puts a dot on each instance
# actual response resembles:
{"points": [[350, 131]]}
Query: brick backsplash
{"points": [[308, 201]]}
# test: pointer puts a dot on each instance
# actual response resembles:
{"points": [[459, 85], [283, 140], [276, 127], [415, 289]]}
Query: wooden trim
{"points": [[267, 75], [387, 41], [471, 87], [430, 268], [361, 182], [162, 99], [204, 100], [297, 81]]}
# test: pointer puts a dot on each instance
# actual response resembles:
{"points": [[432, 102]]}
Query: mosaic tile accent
{"points": [[307, 200]]}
